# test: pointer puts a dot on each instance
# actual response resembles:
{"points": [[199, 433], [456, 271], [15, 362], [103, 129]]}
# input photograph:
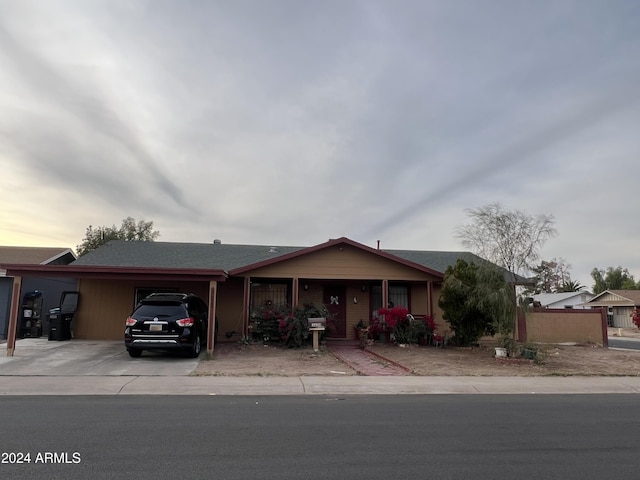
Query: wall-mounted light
{"points": [[306, 287], [355, 299], [364, 287]]}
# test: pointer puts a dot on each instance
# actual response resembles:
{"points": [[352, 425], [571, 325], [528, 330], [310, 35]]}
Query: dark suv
{"points": [[167, 321]]}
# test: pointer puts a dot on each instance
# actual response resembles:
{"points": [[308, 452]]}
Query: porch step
{"points": [[365, 363]]}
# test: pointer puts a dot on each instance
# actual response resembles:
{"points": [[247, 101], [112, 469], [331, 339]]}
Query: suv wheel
{"points": [[134, 352], [195, 347]]}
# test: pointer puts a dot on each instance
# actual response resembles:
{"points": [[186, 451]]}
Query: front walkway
{"points": [[364, 362]]}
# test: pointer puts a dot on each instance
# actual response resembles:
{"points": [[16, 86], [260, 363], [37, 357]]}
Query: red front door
{"points": [[335, 300]]}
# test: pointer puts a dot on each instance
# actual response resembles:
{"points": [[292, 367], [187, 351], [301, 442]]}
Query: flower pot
{"points": [[501, 352]]}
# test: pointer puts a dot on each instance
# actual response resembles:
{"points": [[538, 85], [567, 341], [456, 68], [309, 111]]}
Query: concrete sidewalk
{"points": [[312, 385]]}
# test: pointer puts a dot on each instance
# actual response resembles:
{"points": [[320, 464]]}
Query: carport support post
{"points": [[13, 316], [211, 331]]}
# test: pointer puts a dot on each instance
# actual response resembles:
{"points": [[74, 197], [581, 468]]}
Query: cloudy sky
{"points": [[291, 122]]}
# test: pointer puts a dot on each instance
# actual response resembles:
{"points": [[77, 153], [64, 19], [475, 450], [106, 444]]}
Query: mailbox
{"points": [[317, 322], [316, 325]]}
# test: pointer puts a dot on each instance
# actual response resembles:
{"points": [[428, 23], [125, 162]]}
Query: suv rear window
{"points": [[160, 310]]}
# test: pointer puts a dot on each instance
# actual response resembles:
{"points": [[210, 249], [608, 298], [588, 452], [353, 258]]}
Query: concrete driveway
{"points": [[40, 357]]}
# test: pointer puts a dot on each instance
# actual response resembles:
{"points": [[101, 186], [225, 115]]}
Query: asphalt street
{"points": [[351, 437], [626, 343]]}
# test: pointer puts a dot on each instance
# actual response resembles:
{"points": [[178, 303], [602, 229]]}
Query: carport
{"points": [[209, 278]]}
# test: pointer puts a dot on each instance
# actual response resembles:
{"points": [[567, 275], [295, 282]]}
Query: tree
{"points": [[476, 300], [511, 239], [571, 286], [613, 279], [130, 230], [551, 276]]}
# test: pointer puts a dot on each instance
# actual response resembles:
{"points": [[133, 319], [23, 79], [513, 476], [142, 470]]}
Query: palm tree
{"points": [[571, 286]]}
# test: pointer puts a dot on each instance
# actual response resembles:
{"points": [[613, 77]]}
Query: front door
{"points": [[334, 299]]}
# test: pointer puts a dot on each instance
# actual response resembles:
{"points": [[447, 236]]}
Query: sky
{"points": [[282, 122]]}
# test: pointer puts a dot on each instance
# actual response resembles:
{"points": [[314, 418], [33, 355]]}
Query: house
{"points": [[619, 305], [50, 289], [351, 279], [567, 300]]}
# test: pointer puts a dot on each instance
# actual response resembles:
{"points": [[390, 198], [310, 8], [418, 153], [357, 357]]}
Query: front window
{"points": [[269, 294], [398, 297]]}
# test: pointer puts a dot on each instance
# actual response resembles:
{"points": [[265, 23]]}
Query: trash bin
{"points": [[60, 318], [55, 327], [59, 325], [65, 326]]}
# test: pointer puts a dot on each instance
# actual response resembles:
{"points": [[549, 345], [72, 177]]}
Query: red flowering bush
{"points": [[285, 324], [431, 323], [394, 316], [635, 317]]}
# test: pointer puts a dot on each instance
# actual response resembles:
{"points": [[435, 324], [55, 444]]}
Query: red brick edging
{"points": [[392, 362]]}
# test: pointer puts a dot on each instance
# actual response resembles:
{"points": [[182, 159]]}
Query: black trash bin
{"points": [[59, 325], [65, 326], [55, 327], [60, 318]]}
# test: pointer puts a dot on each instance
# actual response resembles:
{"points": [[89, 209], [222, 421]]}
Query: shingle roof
{"points": [[229, 256], [439, 261], [633, 295], [34, 255], [181, 255]]}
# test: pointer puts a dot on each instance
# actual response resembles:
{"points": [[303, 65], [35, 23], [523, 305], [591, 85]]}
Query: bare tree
{"points": [[511, 239]]}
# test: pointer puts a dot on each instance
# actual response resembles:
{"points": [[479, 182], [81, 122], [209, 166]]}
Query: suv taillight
{"points": [[185, 322], [131, 322]]}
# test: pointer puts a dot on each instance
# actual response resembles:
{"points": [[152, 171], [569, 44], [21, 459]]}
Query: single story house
{"points": [[353, 280], [619, 304], [569, 300], [49, 289]]}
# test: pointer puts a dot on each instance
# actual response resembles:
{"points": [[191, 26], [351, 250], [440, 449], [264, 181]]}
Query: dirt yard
{"points": [[237, 360], [269, 360]]}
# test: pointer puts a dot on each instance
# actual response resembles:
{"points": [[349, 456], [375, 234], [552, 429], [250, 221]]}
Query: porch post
{"points": [[295, 292], [385, 293], [13, 316], [246, 306], [430, 297], [211, 331]]}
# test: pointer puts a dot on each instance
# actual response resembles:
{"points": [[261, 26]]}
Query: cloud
{"points": [[291, 122]]}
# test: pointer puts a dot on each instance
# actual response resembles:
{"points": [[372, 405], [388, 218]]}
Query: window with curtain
{"points": [[398, 297]]}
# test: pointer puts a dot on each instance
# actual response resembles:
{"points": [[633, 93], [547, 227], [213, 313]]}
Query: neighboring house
{"points": [[51, 288], [352, 279], [569, 300], [619, 305]]}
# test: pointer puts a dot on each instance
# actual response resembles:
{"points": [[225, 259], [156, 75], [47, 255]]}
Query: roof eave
{"points": [[328, 244], [114, 273]]}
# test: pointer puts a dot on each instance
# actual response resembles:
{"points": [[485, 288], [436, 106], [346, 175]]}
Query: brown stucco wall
{"points": [[105, 305], [229, 308], [340, 263], [565, 325]]}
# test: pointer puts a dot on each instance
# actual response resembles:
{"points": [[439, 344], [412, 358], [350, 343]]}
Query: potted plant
{"points": [[359, 329]]}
